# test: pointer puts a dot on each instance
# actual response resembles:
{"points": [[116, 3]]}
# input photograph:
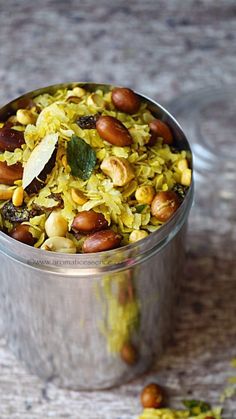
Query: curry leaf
{"points": [[140, 208], [81, 158], [196, 406]]}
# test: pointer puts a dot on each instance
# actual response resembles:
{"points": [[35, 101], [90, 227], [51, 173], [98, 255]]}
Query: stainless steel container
{"points": [[92, 321]]}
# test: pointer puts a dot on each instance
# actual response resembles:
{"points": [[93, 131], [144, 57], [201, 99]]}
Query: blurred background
{"points": [[161, 48], [182, 54]]}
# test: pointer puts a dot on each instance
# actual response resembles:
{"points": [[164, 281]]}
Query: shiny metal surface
{"points": [[71, 317]]}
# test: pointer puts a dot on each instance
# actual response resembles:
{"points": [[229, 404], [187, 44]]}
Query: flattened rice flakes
{"points": [[179, 414]]}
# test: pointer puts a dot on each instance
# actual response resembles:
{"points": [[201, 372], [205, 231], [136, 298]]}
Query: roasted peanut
{"points": [[26, 103], [101, 241], [59, 244], [129, 354], [164, 205], [89, 221], [152, 396], [137, 235], [161, 129], [18, 196], [113, 131], [56, 225], [22, 234], [125, 100], [25, 117], [152, 140], [5, 192], [145, 194], [119, 169], [78, 196], [10, 139], [9, 174]]}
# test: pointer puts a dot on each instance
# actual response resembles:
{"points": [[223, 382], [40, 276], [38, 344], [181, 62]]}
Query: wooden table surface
{"points": [[162, 49]]}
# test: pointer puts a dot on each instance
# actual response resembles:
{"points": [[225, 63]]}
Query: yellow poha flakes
{"points": [[178, 414], [121, 319]]}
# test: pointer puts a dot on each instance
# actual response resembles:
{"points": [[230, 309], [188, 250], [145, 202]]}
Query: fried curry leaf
{"points": [[180, 190], [140, 208], [81, 158], [87, 121], [17, 214], [196, 406]]}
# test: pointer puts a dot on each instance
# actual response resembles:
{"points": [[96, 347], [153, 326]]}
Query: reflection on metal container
{"points": [[92, 321]]}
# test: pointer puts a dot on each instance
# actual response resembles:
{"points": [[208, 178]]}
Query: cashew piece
{"points": [[78, 196], [118, 169], [59, 244]]}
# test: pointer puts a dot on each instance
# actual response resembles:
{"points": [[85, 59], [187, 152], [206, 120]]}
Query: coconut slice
{"points": [[38, 158]]}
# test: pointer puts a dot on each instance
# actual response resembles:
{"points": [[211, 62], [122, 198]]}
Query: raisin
{"points": [[87, 122]]}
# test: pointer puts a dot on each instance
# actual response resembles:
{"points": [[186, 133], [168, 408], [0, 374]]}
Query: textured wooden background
{"points": [[163, 49]]}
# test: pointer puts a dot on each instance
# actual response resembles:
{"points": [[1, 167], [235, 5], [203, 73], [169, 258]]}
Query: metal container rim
{"points": [[112, 260]]}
